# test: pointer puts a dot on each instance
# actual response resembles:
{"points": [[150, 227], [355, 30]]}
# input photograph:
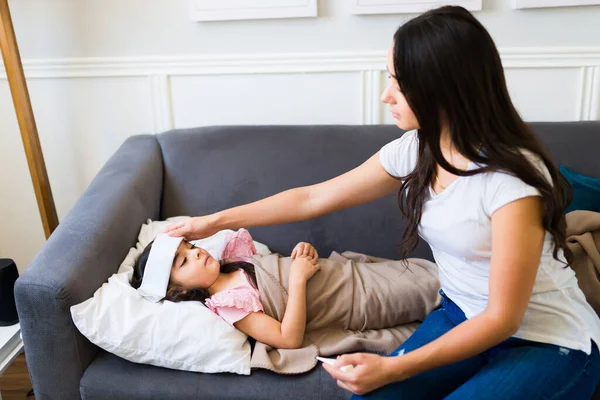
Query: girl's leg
{"points": [[437, 383], [520, 369]]}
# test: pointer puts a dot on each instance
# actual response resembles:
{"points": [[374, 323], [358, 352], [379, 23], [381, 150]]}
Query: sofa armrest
{"points": [[81, 254]]}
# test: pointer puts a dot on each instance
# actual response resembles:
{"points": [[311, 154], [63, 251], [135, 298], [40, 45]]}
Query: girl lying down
{"points": [[315, 306], [229, 288]]}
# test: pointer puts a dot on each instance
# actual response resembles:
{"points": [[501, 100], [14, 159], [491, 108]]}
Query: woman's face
{"points": [[193, 268], [405, 118]]}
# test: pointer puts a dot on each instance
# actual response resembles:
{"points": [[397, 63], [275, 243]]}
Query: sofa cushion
{"points": [[212, 168], [111, 377], [574, 144], [586, 191]]}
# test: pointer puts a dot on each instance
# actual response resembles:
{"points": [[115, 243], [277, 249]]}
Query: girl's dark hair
{"points": [[198, 294], [449, 70]]}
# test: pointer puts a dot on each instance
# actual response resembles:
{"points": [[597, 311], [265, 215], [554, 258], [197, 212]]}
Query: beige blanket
{"points": [[583, 238], [354, 303]]}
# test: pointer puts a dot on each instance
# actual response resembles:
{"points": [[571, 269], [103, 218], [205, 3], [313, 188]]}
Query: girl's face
{"points": [[193, 268], [405, 118]]}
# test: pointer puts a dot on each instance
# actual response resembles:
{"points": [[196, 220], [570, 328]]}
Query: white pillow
{"points": [[185, 335]]}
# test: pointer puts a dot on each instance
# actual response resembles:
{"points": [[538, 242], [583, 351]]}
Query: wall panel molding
{"points": [[370, 65]]}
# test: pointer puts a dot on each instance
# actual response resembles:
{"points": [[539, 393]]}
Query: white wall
{"points": [[123, 28], [101, 70]]}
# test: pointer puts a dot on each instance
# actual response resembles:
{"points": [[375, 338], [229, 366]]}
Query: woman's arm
{"points": [[517, 242], [363, 184], [289, 333]]}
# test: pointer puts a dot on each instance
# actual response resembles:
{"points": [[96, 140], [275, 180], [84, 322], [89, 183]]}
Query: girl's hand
{"points": [[302, 269], [192, 228], [370, 372], [305, 249]]}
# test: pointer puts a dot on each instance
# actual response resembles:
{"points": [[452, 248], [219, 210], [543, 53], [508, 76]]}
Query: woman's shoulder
{"points": [[501, 187], [399, 157], [409, 138], [537, 162], [503, 175]]}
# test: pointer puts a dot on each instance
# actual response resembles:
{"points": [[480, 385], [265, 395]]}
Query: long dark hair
{"points": [[449, 70], [198, 294]]}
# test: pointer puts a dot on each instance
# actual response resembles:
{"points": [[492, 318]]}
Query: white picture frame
{"points": [[520, 4], [360, 7], [227, 10]]}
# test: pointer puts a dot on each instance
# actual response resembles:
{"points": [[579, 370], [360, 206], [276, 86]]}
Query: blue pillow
{"points": [[586, 190]]}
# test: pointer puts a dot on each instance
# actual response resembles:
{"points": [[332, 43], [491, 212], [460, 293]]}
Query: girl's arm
{"points": [[288, 334], [517, 242], [363, 184]]}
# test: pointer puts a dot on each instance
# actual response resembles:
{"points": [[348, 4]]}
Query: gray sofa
{"points": [[200, 171]]}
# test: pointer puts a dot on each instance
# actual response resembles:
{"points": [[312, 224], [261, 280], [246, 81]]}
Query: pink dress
{"points": [[237, 302]]}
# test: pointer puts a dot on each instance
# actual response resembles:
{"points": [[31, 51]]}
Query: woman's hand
{"points": [[302, 269], [370, 372], [305, 249], [193, 228]]}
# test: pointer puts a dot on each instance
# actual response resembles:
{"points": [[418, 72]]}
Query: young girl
{"points": [[475, 183], [228, 288]]}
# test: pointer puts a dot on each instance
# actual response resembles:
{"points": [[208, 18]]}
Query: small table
{"points": [[11, 346]]}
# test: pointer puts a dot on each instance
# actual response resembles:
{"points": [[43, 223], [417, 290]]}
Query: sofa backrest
{"points": [[213, 168]]}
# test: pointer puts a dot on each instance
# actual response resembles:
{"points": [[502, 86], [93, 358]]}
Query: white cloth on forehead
{"points": [[158, 267], [213, 245]]}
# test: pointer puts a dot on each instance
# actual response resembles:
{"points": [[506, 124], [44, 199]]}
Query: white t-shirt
{"points": [[457, 225]]}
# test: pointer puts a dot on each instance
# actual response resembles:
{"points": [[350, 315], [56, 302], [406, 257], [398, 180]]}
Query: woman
{"points": [[477, 185]]}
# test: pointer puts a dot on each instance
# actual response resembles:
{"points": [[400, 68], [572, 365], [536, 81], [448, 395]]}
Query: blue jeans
{"points": [[514, 369]]}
